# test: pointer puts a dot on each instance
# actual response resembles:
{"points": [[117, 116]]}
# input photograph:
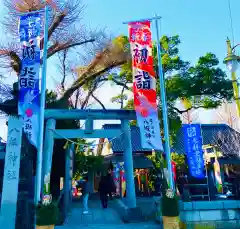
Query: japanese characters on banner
{"points": [[29, 93], [193, 147], [144, 85]]}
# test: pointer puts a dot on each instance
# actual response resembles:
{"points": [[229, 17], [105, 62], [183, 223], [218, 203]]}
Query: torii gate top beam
{"points": [[96, 114]]}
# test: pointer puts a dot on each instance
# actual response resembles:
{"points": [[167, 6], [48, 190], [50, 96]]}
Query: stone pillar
{"points": [[48, 147], [10, 189], [128, 165]]}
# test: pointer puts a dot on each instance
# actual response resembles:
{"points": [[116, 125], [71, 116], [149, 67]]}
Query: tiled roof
{"points": [[139, 161], [210, 133], [118, 143]]}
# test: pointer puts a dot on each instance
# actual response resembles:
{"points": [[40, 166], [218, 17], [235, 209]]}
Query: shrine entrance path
{"points": [[101, 218], [97, 215]]}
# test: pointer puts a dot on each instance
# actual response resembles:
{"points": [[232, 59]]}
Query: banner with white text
{"points": [[29, 92], [144, 85]]}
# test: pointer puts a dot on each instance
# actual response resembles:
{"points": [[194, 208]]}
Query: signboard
{"points": [[193, 148], [144, 85], [11, 173], [29, 95]]}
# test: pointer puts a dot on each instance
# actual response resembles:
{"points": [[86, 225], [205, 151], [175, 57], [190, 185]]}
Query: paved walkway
{"points": [[100, 218]]}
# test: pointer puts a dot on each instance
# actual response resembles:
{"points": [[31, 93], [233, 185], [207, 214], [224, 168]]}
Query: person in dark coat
{"points": [[112, 186], [104, 190]]}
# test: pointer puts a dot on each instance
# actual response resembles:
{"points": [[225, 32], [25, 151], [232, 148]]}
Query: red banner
{"points": [[174, 170], [144, 84]]}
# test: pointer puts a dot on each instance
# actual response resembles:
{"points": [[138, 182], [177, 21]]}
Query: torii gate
{"points": [[51, 115]]}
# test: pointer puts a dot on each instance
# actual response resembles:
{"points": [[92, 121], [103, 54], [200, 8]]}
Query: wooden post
{"points": [[11, 173], [128, 165], [48, 147]]}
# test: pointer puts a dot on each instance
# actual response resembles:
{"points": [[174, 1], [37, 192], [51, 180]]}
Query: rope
{"points": [[82, 144]]}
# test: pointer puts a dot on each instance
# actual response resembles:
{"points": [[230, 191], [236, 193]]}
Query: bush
{"points": [[46, 214], [170, 204]]}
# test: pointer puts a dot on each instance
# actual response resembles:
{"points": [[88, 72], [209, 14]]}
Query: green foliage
{"points": [[46, 214], [85, 160], [158, 165], [179, 159], [51, 96], [90, 163], [170, 206], [119, 98], [204, 84], [157, 160]]}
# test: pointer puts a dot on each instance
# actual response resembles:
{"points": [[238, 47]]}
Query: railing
{"points": [[201, 191]]}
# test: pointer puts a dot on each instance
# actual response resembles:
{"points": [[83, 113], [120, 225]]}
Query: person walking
{"points": [[103, 191], [85, 194], [110, 184]]}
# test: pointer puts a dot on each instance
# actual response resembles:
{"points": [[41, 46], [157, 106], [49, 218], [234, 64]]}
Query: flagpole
{"points": [[163, 98], [164, 108], [38, 181]]}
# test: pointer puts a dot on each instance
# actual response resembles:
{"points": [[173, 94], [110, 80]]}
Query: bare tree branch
{"points": [[186, 110], [60, 47], [89, 77], [122, 99], [62, 20], [98, 100], [112, 56], [123, 84], [86, 100], [76, 99], [56, 22], [62, 56], [63, 34]]}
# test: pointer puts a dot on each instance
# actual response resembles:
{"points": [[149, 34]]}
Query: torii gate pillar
{"points": [[128, 165], [48, 147]]}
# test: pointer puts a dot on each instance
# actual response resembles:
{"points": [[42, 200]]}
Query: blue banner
{"points": [[193, 148], [29, 26], [29, 91]]}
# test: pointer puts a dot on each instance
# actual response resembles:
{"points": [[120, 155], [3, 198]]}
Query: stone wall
{"points": [[213, 214]]}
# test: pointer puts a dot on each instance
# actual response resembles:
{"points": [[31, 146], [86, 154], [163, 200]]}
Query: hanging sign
{"points": [[144, 85], [193, 148], [29, 93], [11, 173]]}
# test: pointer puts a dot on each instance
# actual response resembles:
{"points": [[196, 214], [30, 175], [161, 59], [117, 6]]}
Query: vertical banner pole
{"points": [[163, 98], [42, 108], [164, 108], [206, 169]]}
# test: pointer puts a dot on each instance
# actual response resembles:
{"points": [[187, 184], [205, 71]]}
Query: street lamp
{"points": [[232, 62]]}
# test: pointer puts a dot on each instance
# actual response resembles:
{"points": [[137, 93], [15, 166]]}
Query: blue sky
{"points": [[202, 26]]}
